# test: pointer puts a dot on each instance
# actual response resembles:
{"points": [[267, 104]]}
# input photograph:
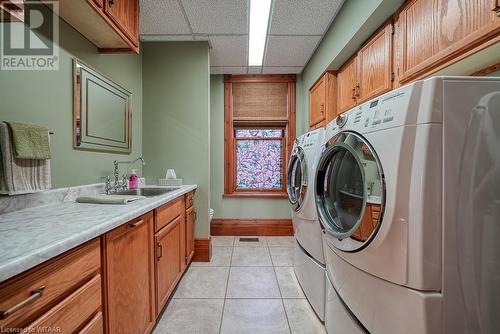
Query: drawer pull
{"points": [[160, 251], [136, 224], [34, 295]]}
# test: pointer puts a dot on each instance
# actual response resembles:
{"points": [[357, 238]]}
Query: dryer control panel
{"points": [[392, 109]]}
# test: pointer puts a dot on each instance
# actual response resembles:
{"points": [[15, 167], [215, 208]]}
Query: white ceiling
{"points": [[295, 29]]}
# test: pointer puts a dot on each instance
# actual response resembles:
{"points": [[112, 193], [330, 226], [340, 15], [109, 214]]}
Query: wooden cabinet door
{"points": [[168, 260], [190, 223], [436, 33], [331, 97], [347, 81], [317, 105], [375, 65], [125, 14], [129, 283]]}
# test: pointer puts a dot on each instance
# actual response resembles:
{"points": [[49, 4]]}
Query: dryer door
{"points": [[297, 181], [350, 191]]}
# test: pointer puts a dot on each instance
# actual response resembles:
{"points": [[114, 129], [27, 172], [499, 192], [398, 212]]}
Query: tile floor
{"points": [[248, 287]]}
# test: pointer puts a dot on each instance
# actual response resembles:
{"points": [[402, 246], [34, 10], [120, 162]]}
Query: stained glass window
{"points": [[259, 162]]}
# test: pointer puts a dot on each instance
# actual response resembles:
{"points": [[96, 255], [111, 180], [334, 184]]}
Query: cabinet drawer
{"points": [[189, 199], [166, 213], [94, 326], [56, 279], [73, 312]]}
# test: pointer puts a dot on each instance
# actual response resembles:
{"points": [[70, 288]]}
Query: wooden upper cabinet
{"points": [[331, 96], [111, 25], [375, 65], [323, 101], [317, 105], [436, 33], [129, 283], [347, 85], [124, 13]]}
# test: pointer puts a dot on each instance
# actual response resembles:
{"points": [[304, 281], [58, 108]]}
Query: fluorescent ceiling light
{"points": [[259, 18]]}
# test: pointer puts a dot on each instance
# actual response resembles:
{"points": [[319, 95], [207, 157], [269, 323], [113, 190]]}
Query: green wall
{"points": [[232, 207], [46, 98], [356, 21], [176, 120]]}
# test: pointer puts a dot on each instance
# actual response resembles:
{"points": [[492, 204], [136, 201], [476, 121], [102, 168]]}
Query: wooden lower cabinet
{"points": [[94, 326], [114, 284], [129, 277], [190, 221], [61, 295], [168, 264]]}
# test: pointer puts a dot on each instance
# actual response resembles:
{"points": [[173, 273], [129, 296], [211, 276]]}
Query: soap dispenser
{"points": [[133, 180]]}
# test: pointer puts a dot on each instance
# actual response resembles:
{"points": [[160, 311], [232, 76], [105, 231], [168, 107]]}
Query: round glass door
{"points": [[297, 178], [350, 191]]}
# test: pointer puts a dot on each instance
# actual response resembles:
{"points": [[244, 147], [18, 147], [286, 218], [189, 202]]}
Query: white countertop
{"points": [[31, 236]]}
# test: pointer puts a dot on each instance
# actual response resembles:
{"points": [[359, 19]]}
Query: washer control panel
{"points": [[308, 140]]}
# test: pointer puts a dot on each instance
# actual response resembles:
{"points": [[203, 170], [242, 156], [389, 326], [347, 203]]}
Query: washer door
{"points": [[350, 191], [297, 178]]}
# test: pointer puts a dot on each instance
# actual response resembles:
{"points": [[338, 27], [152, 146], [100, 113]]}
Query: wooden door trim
{"points": [[251, 227], [202, 250]]}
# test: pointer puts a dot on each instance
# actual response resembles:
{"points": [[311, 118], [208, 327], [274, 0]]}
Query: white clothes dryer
{"points": [[398, 248]]}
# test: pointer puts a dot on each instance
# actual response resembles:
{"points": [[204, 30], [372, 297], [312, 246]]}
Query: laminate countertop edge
{"points": [[32, 236]]}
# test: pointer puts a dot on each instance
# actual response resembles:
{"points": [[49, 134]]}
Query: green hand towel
{"points": [[30, 141]]}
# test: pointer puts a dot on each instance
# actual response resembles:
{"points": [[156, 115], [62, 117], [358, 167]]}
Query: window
{"points": [[259, 132]]}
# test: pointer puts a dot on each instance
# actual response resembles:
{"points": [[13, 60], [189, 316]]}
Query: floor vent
{"points": [[249, 239]]}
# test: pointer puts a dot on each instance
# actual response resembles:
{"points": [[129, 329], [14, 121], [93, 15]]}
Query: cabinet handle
{"points": [[111, 3], [34, 295], [353, 96], [160, 251], [136, 224], [194, 216]]}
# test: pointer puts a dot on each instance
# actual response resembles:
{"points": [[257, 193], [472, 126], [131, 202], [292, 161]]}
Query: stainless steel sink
{"points": [[148, 192]]}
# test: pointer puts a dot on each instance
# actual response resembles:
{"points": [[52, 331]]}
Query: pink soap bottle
{"points": [[133, 180]]}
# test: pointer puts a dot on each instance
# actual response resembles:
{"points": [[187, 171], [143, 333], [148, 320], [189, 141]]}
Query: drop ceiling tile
{"points": [[289, 50], [310, 17], [228, 50], [228, 70], [282, 70], [162, 17], [217, 17], [166, 38], [254, 70]]}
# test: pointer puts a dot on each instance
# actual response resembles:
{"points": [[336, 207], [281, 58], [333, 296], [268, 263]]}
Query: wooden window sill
{"points": [[277, 195]]}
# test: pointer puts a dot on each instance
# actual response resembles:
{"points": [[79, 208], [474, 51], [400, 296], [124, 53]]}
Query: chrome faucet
{"points": [[123, 185]]}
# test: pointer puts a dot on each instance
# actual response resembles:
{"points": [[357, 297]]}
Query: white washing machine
{"points": [[309, 261], [407, 196]]}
